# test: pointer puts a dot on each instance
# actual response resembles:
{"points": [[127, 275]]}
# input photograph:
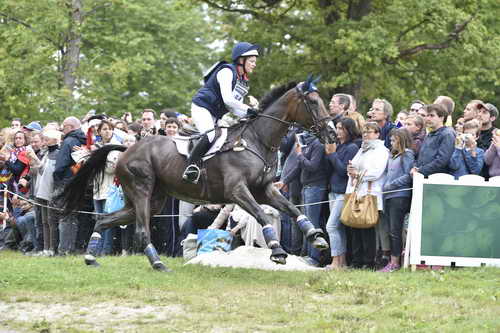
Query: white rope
{"points": [[179, 215]]}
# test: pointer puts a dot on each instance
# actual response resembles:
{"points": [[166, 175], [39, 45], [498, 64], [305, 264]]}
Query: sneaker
{"points": [[390, 267], [310, 261]]}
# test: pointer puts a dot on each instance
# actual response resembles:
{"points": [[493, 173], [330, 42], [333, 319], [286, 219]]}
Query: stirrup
{"points": [[192, 174]]}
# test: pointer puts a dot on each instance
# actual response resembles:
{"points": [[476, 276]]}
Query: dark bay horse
{"points": [[152, 169]]}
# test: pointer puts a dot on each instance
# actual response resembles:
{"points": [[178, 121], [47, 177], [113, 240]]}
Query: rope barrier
{"points": [[179, 215]]}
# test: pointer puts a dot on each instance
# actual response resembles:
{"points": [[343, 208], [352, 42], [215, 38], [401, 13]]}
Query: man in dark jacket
{"points": [[73, 137], [314, 176], [438, 146]]}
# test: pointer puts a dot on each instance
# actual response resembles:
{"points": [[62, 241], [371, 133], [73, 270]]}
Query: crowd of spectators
{"points": [[376, 154]]}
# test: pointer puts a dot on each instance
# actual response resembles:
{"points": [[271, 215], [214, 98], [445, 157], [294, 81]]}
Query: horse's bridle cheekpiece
{"points": [[304, 89]]}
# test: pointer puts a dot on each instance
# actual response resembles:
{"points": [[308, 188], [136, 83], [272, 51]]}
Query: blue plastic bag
{"points": [[214, 240], [114, 200]]}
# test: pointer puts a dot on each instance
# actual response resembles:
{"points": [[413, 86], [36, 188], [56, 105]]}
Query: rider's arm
{"points": [[225, 79]]}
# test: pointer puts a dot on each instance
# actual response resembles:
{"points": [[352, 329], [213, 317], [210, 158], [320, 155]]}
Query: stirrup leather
{"points": [[192, 174]]}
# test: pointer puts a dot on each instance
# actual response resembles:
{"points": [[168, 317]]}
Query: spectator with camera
{"points": [[467, 158], [492, 155], [314, 171], [338, 155]]}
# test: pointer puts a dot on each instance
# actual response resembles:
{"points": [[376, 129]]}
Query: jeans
{"points": [[396, 209], [38, 241], [335, 229], [291, 236], [108, 234], [26, 226], [311, 194], [68, 228]]}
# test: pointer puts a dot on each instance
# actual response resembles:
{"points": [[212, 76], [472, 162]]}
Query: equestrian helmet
{"points": [[244, 49]]}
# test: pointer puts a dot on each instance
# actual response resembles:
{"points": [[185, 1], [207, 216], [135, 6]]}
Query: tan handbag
{"points": [[360, 213]]}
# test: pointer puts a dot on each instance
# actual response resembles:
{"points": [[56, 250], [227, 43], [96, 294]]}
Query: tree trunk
{"points": [[72, 55]]}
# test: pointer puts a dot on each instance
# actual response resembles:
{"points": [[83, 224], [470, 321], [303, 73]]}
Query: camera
{"points": [[332, 133], [466, 136], [300, 139]]}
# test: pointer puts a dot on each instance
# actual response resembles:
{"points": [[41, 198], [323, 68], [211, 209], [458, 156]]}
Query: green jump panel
{"points": [[460, 221]]}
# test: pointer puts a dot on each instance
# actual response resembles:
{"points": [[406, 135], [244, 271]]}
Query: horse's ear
{"points": [[307, 84], [313, 86], [310, 84]]}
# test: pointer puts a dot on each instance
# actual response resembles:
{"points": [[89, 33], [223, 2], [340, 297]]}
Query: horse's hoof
{"points": [[320, 243], [279, 259], [160, 267]]}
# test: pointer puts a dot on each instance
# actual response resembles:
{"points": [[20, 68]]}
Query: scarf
{"points": [[368, 145], [15, 153]]}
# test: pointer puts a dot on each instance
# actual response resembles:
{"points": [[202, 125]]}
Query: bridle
{"points": [[316, 127]]}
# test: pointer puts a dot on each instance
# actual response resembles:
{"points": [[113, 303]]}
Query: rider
{"points": [[225, 87]]}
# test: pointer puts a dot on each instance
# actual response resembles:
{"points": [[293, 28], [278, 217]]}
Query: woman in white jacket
{"points": [[370, 161]]}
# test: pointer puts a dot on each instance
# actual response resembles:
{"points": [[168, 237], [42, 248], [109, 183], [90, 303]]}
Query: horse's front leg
{"points": [[241, 195], [275, 199]]}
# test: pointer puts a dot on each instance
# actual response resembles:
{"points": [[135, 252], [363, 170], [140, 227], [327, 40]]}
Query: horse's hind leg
{"points": [[122, 217], [278, 201], [242, 196]]}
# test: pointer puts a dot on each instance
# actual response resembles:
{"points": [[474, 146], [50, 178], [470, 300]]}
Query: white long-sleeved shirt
{"points": [[233, 98]]}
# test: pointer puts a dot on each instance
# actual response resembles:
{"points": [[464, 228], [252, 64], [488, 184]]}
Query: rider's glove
{"points": [[252, 113]]}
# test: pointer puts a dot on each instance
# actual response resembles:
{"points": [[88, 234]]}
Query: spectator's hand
{"points": [[413, 171], [281, 186], [298, 148], [23, 182], [496, 140], [351, 170], [471, 143], [330, 148], [4, 216]]}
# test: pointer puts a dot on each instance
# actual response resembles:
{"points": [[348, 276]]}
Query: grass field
{"points": [[125, 295]]}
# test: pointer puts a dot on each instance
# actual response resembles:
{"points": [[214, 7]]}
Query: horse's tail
{"points": [[74, 191]]}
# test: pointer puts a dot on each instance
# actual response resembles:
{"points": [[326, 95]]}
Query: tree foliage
{"points": [[130, 55], [68, 56], [400, 50]]}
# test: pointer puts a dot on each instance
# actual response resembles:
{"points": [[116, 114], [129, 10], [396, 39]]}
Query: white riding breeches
{"points": [[203, 120]]}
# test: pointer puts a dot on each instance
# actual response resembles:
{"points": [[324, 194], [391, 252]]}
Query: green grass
{"points": [[202, 299]]}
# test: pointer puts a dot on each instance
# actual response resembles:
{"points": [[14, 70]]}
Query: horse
{"points": [[243, 174]]}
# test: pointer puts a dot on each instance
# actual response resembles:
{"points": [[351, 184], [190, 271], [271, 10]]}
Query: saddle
{"points": [[185, 143]]}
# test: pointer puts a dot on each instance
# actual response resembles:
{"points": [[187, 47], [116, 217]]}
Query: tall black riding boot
{"points": [[192, 172]]}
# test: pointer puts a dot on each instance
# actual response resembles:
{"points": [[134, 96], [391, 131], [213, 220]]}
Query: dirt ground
{"points": [[29, 316]]}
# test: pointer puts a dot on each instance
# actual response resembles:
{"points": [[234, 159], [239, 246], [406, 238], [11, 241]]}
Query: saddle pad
{"points": [[182, 143]]}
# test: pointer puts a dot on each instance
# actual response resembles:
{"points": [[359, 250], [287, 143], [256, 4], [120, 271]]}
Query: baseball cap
{"points": [[33, 126], [493, 109]]}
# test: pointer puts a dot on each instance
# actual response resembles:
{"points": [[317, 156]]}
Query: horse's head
{"points": [[311, 112]]}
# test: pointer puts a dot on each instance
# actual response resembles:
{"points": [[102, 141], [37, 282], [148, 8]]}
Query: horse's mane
{"points": [[275, 94]]}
